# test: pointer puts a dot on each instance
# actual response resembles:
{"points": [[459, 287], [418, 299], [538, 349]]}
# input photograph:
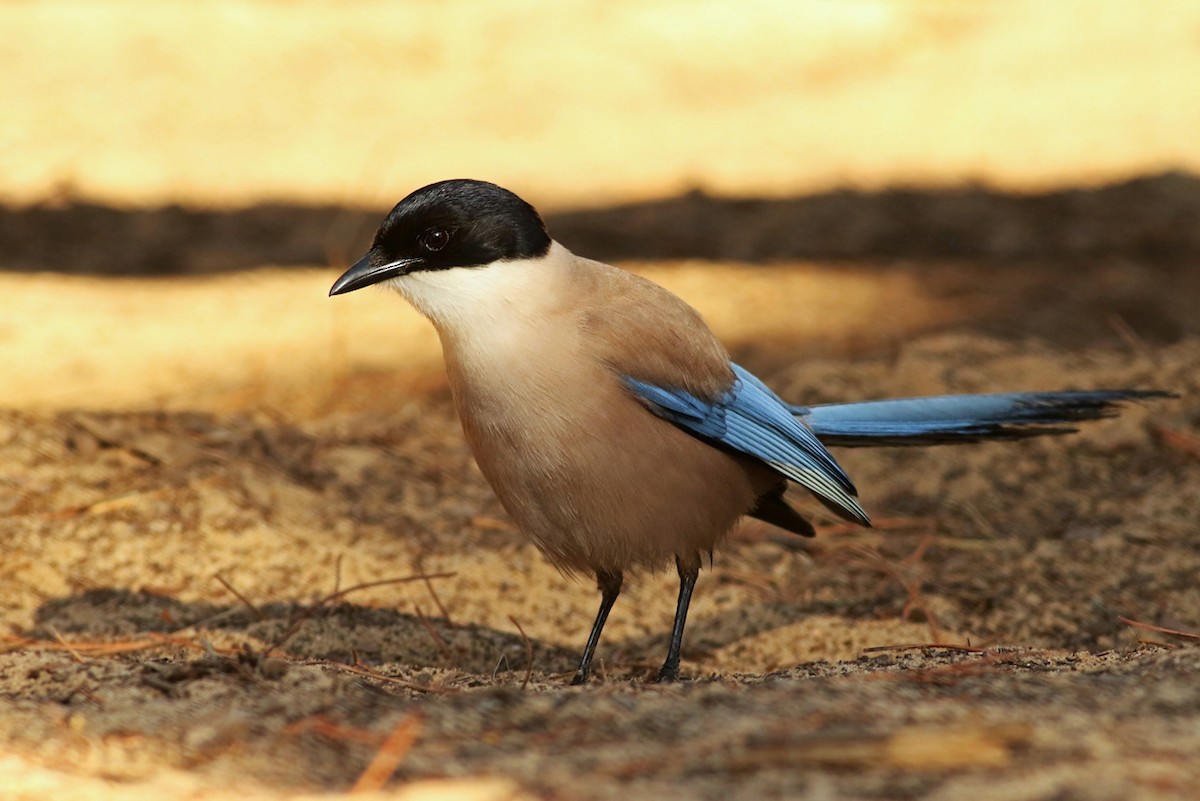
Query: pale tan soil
{"points": [[233, 422]]}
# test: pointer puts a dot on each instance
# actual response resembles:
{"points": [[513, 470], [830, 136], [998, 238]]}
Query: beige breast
{"points": [[593, 477]]}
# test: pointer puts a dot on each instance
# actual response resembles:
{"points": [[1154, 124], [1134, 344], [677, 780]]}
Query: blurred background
{"points": [[587, 103], [884, 155]]}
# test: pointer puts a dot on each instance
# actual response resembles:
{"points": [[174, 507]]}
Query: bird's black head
{"points": [[458, 223]]}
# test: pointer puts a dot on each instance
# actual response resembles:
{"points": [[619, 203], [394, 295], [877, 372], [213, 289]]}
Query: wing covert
{"points": [[751, 419]]}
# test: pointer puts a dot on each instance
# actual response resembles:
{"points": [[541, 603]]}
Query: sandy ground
{"points": [[246, 552]]}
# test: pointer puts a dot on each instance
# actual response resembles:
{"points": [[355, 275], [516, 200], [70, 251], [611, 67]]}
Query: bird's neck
{"points": [[499, 322]]}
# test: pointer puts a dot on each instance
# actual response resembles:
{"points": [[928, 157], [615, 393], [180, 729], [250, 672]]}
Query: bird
{"points": [[610, 421]]}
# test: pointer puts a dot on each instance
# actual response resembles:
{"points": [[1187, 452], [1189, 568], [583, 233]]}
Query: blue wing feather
{"points": [[751, 419]]}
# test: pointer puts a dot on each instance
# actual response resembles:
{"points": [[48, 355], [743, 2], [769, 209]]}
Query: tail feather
{"points": [[950, 419]]}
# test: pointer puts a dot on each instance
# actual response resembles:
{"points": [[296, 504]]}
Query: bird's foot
{"points": [[667, 674], [581, 677]]}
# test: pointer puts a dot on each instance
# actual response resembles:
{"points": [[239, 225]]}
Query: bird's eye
{"points": [[435, 239]]}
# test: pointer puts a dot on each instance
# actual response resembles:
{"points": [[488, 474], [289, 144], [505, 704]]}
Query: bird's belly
{"points": [[596, 480]]}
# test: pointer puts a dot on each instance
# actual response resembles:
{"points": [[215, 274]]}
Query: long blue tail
{"points": [[949, 419]]}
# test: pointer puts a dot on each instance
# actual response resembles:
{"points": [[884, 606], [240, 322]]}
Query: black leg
{"points": [[609, 585], [687, 583]]}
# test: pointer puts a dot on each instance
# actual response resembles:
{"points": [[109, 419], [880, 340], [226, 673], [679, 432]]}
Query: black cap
{"points": [[456, 223]]}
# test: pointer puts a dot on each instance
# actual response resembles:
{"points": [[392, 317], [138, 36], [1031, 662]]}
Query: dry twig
{"points": [[440, 643], [306, 613], [528, 651], [921, 646], [389, 756], [371, 674], [75, 655], [366, 585], [1181, 441], [323, 726], [245, 601], [912, 588], [1162, 629], [438, 603]]}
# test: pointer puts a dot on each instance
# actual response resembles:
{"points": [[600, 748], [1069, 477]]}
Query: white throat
{"points": [[463, 298]]}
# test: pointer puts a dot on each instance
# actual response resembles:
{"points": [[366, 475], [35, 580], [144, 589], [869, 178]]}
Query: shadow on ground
{"points": [[304, 632], [1153, 217], [352, 634]]}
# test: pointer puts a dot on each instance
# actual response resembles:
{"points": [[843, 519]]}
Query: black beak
{"points": [[365, 272]]}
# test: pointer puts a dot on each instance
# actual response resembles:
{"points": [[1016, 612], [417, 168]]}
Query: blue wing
{"points": [[751, 419]]}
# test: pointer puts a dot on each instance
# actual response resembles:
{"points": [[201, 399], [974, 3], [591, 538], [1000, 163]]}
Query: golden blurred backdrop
{"points": [[584, 103], [135, 104]]}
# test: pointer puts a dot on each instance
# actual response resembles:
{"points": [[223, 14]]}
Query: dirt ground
{"points": [[246, 551]]}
